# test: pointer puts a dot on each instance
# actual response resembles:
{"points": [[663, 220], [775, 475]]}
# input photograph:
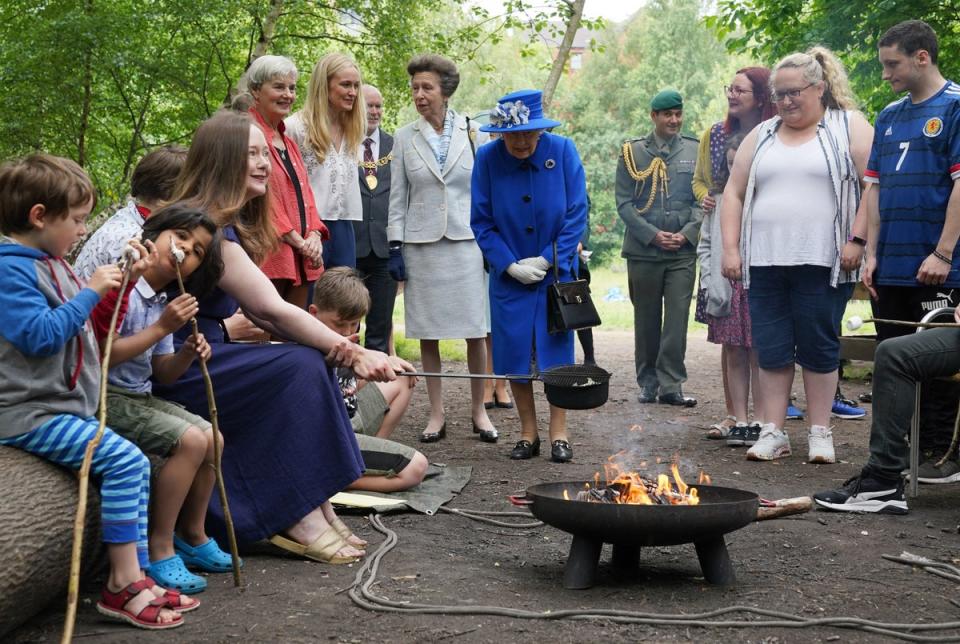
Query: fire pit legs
{"points": [[715, 561], [581, 569]]}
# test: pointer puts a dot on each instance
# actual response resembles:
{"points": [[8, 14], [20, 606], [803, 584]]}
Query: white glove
{"points": [[537, 262], [525, 274]]}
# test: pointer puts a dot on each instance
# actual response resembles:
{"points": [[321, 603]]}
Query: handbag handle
{"points": [[556, 260]]}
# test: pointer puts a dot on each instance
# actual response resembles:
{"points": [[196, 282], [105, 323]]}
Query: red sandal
{"points": [[175, 598], [113, 605]]}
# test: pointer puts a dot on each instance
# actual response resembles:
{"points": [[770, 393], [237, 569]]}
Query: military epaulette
{"points": [[690, 137]]}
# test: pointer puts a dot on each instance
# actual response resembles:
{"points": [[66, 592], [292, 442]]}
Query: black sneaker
{"points": [[928, 472], [738, 433], [865, 494], [753, 434]]}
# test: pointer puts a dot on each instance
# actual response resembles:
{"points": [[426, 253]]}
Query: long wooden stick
{"points": [[921, 325], [217, 446], [73, 587]]}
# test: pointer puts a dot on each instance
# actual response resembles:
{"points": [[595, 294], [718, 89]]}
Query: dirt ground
{"points": [[816, 565]]}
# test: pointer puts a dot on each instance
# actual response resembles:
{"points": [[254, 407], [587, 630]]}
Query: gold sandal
{"points": [[324, 549], [345, 533], [722, 429]]}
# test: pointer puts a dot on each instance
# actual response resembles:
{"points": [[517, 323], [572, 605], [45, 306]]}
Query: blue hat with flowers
{"points": [[520, 111]]}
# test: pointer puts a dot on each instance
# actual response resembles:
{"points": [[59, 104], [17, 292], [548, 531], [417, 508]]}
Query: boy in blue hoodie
{"points": [[50, 371]]}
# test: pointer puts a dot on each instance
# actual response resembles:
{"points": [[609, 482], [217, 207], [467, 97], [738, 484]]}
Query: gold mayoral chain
{"points": [[657, 168], [373, 165]]}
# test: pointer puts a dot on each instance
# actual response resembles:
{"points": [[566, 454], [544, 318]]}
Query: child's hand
{"points": [[178, 312], [148, 257], [105, 278], [197, 345]]}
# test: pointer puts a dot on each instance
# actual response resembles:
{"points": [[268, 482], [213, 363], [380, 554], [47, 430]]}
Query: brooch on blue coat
{"points": [[549, 164]]}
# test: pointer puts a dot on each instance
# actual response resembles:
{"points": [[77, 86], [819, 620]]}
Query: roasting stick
{"points": [[130, 255], [178, 256], [783, 507], [856, 322]]}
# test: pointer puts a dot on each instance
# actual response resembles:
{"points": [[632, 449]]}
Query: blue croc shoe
{"points": [[171, 573], [208, 557], [794, 413]]}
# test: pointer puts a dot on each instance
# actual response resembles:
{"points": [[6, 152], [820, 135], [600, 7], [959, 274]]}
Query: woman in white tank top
{"points": [[788, 211]]}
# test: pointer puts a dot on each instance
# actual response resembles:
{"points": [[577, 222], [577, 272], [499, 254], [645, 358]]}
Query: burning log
{"points": [[635, 489]]}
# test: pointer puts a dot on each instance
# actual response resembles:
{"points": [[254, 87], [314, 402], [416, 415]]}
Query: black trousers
{"points": [[383, 293], [940, 398]]}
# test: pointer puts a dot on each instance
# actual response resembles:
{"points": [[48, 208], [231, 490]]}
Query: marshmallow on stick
{"points": [[855, 322]]}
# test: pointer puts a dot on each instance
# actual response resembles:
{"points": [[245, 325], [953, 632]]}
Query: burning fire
{"points": [[631, 487]]}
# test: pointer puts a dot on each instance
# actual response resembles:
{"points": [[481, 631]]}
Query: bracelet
{"points": [[859, 241], [943, 258]]}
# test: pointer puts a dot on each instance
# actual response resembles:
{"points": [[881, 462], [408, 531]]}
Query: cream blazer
{"points": [[427, 202]]}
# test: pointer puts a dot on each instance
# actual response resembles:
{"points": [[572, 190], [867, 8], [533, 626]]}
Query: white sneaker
{"points": [[773, 443], [821, 445]]}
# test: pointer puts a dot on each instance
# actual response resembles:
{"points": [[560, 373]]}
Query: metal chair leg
{"points": [[915, 444]]}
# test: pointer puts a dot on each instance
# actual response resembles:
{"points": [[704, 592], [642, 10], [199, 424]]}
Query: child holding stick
{"points": [[145, 349], [50, 370]]}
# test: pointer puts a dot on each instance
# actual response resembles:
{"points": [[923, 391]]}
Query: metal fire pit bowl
{"points": [[630, 527]]}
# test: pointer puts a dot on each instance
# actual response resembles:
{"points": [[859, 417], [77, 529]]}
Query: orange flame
{"points": [[566, 495], [704, 478]]}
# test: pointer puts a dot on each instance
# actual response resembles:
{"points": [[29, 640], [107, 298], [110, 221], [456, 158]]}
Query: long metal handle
{"points": [[481, 376]]}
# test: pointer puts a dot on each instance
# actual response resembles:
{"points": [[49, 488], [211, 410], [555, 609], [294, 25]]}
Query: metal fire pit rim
{"points": [[581, 484]]}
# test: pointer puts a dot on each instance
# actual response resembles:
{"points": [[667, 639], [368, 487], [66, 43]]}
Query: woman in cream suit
{"points": [[432, 247]]}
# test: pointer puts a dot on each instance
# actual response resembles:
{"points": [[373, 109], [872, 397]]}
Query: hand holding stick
{"points": [[130, 255], [178, 255]]}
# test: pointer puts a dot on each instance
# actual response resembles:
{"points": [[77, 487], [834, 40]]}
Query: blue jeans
{"points": [[795, 316]]}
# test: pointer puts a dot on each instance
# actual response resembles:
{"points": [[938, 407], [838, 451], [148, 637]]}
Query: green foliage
{"points": [[608, 101], [103, 81], [771, 29]]}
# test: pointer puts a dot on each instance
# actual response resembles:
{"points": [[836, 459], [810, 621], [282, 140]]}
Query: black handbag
{"points": [[569, 306]]}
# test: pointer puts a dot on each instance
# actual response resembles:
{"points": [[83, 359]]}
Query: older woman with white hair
{"points": [[329, 130], [790, 212], [271, 82]]}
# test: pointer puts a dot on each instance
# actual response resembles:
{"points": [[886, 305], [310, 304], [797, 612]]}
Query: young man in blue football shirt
{"points": [[913, 211]]}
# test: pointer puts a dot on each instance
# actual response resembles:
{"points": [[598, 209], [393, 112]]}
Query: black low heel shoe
{"points": [[433, 437], [560, 451], [486, 435], [524, 449]]}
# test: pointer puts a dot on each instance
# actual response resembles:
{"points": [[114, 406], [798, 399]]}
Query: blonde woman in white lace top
{"points": [[329, 130]]}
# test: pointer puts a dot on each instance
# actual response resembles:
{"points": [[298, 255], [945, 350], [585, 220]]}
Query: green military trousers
{"points": [[660, 291]]}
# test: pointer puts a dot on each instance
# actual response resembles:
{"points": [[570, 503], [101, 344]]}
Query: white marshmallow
{"points": [[854, 323], [177, 252]]}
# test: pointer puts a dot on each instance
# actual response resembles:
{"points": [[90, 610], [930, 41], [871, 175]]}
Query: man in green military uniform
{"points": [[655, 200]]}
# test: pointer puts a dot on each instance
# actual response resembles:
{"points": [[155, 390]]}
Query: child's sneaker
{"points": [[793, 413], [738, 433], [772, 444], [753, 434], [865, 494], [821, 445], [846, 408]]}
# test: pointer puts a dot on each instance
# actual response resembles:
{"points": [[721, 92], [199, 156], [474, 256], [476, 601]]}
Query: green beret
{"points": [[668, 99]]}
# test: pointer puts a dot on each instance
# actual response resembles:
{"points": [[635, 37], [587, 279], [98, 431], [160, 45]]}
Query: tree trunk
{"points": [[87, 94], [267, 28], [37, 510], [573, 24]]}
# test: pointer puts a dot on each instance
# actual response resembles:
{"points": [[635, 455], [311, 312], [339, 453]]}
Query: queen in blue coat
{"points": [[528, 193]]}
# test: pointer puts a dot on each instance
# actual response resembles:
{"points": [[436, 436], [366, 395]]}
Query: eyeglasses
{"points": [[736, 91], [779, 95]]}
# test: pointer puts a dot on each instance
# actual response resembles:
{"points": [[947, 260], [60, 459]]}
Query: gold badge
{"points": [[372, 181], [933, 127]]}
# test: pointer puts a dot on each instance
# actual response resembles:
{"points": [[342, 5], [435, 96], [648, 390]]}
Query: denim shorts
{"points": [[796, 316]]}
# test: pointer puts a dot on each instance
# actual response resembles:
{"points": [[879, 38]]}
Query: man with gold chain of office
{"points": [[654, 195]]}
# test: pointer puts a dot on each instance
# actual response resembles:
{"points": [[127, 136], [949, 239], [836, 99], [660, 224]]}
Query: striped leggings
{"points": [[119, 465]]}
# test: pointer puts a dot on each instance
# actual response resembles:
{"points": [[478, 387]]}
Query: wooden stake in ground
{"points": [[73, 586], [217, 445]]}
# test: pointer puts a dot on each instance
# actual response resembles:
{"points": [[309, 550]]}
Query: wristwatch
{"points": [[859, 241]]}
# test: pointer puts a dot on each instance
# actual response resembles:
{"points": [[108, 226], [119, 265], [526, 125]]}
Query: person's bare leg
{"points": [[755, 381], [173, 484], [408, 477], [736, 377], [397, 394], [330, 515], [190, 527], [125, 570], [558, 424], [430, 358], [488, 385], [725, 376], [523, 397], [819, 389], [775, 394], [477, 363]]}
